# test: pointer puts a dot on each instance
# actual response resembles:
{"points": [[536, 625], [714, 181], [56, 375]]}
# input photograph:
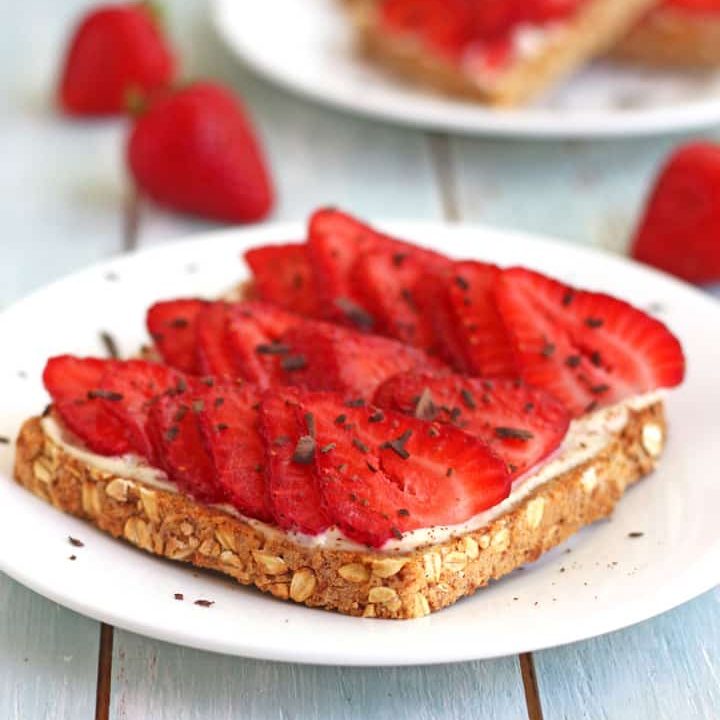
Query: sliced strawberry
{"points": [[127, 390], [215, 354], [468, 320], [382, 474], [174, 430], [282, 275], [328, 357], [522, 424], [290, 457], [229, 426], [390, 284], [72, 383], [255, 333], [173, 327], [588, 349]]}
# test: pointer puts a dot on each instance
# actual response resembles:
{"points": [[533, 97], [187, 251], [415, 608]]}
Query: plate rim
{"points": [[528, 124], [697, 579]]}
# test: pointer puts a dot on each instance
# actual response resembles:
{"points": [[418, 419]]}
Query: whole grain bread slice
{"points": [[362, 583], [670, 37], [598, 25]]}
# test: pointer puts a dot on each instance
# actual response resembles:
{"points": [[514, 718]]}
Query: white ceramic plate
{"points": [[307, 46], [609, 579]]}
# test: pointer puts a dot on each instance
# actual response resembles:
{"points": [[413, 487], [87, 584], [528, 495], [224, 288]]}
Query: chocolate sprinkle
{"points": [[221, 427], [281, 440], [468, 399], [371, 467], [304, 450], [327, 448], [179, 323], [179, 596], [340, 419], [592, 322], [573, 360], [110, 345], [635, 534], [293, 362], [398, 445], [73, 557], [396, 533], [310, 424], [398, 259], [75, 542], [357, 315], [105, 395], [273, 348], [599, 389], [513, 433], [360, 445], [595, 358], [425, 408], [403, 512], [172, 433], [205, 603], [377, 416], [462, 283], [449, 472], [217, 402], [357, 402], [548, 349], [181, 413], [4, 440], [568, 297]]}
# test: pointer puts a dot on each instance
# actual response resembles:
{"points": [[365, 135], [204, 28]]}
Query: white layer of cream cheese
{"points": [[586, 437]]}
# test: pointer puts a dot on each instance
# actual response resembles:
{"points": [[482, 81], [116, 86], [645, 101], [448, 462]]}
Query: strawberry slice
{"points": [[282, 275], [127, 390], [328, 357], [468, 321], [289, 458], [390, 285], [588, 349], [229, 427], [255, 332], [73, 383], [173, 327], [522, 424], [382, 474], [174, 430], [215, 354]]}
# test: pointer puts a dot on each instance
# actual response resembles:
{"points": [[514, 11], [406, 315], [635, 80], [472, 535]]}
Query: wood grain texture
{"points": [[664, 669], [48, 658], [164, 682]]}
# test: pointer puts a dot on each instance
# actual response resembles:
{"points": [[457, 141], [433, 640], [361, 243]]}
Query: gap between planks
{"points": [[442, 160]]}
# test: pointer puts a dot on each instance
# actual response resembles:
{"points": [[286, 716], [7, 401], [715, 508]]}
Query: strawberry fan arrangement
{"points": [[364, 383]]}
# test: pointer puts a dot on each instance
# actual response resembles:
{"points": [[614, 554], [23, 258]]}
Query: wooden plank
{"points": [[48, 658], [166, 682], [663, 669]]}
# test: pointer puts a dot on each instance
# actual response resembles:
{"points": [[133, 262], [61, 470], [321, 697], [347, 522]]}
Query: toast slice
{"points": [[550, 54], [401, 584], [673, 37]]}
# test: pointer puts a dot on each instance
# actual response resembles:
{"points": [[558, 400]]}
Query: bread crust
{"points": [[365, 583], [670, 37], [597, 27]]}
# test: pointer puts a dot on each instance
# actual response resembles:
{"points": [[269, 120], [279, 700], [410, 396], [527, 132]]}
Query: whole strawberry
{"points": [[116, 49], [195, 150], [680, 231]]}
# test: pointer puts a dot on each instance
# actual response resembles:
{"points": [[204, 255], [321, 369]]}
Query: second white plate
{"points": [[307, 46]]}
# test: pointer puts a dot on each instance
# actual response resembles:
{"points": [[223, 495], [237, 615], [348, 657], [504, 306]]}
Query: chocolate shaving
{"points": [[105, 395], [425, 408], [398, 445], [75, 542], [205, 603], [273, 348], [371, 467], [304, 450], [293, 362], [360, 445], [356, 314], [327, 448], [592, 322], [513, 433], [110, 345], [468, 399], [377, 416]]}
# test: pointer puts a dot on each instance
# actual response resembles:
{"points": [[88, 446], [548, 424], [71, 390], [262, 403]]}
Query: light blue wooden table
{"points": [[65, 202]]}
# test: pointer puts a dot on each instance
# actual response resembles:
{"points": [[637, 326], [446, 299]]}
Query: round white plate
{"points": [[307, 46], [600, 581]]}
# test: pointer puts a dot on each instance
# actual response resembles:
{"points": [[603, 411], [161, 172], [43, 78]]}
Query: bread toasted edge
{"points": [[597, 27], [672, 38], [366, 583]]}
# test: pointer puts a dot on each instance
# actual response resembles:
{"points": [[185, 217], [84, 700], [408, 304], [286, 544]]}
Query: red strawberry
{"points": [[214, 350], [382, 474], [196, 151], [115, 50], [127, 390], [587, 349], [174, 430], [229, 426], [328, 357], [467, 320], [680, 230], [72, 383], [522, 424], [173, 327], [391, 284], [282, 275], [289, 461]]}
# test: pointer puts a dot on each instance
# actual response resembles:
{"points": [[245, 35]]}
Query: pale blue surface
{"points": [[62, 201]]}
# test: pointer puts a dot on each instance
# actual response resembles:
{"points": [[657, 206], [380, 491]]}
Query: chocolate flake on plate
{"points": [[109, 344], [75, 542]]}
